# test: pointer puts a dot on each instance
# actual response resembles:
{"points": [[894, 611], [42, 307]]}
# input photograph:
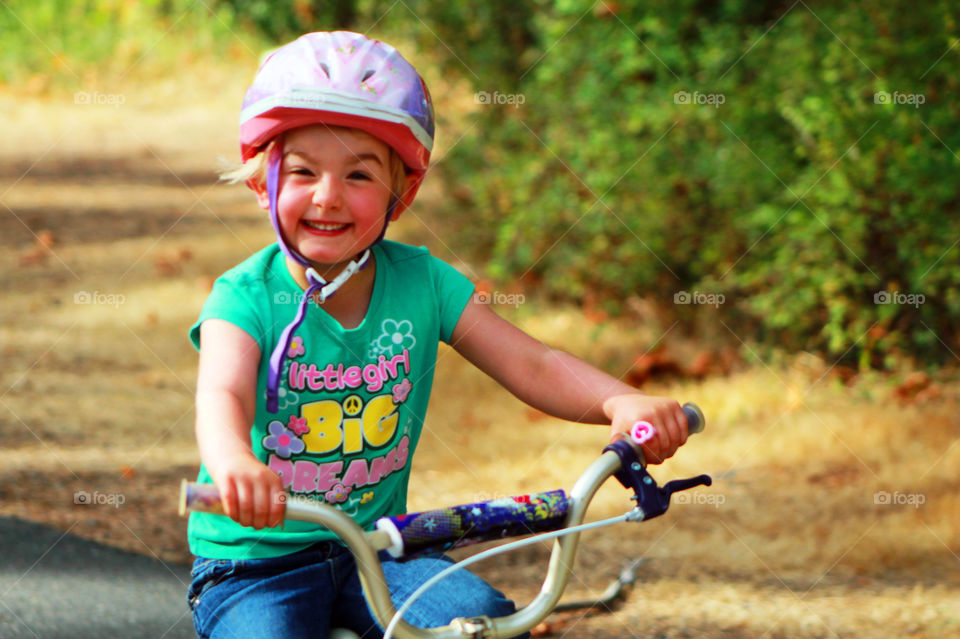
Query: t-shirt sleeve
{"points": [[230, 301], [453, 292]]}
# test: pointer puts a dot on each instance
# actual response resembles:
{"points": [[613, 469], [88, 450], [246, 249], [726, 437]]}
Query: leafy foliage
{"points": [[68, 43], [798, 159], [286, 19]]}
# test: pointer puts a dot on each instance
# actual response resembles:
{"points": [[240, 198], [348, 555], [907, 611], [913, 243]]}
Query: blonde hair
{"points": [[254, 171]]}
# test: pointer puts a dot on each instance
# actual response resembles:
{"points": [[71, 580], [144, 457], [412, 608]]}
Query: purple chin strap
{"points": [[316, 284]]}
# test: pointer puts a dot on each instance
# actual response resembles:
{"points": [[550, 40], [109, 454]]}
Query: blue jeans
{"points": [[305, 594]]}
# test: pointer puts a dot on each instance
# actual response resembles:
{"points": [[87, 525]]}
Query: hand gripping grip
{"points": [[652, 500], [641, 432]]}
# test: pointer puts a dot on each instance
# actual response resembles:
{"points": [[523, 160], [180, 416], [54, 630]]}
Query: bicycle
{"points": [[550, 514]]}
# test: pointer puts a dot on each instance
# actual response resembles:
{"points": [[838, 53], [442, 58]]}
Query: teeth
{"points": [[324, 227]]}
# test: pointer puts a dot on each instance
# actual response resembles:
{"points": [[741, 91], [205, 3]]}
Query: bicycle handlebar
{"points": [[463, 525], [622, 458]]}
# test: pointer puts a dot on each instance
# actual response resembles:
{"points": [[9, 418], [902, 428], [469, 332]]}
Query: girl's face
{"points": [[334, 192]]}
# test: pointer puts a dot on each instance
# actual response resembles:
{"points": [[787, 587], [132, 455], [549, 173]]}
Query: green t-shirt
{"points": [[352, 402]]}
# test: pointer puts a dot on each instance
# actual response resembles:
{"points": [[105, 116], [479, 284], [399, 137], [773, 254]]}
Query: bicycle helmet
{"points": [[338, 79], [341, 79]]}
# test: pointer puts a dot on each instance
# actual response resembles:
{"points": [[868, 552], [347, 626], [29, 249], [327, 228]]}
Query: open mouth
{"points": [[324, 227]]}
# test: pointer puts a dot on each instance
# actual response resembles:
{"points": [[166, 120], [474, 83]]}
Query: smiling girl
{"points": [[317, 353]]}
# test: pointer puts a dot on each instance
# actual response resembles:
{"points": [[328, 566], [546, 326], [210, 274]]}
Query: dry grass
{"points": [[789, 542]]}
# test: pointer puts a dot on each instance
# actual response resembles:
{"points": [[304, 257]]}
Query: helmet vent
{"points": [[326, 69], [366, 75]]}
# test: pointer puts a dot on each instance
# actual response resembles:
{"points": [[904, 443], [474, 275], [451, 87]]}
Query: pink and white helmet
{"points": [[342, 79]]}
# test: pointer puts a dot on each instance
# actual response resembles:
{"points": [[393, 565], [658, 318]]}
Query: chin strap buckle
{"points": [[326, 289]]}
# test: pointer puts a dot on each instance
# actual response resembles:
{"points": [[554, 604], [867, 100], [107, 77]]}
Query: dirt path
{"points": [[103, 212]]}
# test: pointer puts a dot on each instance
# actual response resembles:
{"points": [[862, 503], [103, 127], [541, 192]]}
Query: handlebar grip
{"points": [[204, 498], [696, 422]]}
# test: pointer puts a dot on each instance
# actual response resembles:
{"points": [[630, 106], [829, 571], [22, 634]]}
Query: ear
{"points": [[263, 198], [409, 183]]}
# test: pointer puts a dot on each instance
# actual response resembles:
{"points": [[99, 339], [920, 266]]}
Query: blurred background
{"points": [[752, 206]]}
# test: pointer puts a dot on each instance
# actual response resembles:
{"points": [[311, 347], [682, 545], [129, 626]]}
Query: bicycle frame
{"points": [[622, 459]]}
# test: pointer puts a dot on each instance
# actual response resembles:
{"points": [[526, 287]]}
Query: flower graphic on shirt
{"points": [[396, 337], [282, 441], [296, 347], [298, 425], [401, 390], [285, 398], [366, 497], [338, 494]]}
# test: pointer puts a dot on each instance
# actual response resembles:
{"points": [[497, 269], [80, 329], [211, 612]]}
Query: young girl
{"points": [[317, 353]]}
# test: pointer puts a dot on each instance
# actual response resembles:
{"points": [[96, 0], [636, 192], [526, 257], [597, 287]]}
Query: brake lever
{"points": [[652, 500]]}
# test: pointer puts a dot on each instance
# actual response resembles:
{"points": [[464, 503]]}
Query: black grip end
{"points": [[696, 422]]}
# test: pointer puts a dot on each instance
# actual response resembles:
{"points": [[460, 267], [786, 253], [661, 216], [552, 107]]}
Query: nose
{"points": [[327, 194]]}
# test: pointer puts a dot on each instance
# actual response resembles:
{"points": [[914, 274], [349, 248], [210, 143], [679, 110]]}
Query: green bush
{"points": [[286, 19], [779, 160], [67, 42]]}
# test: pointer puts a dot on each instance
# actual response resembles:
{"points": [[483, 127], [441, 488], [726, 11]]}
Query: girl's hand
{"points": [[251, 493], [665, 414]]}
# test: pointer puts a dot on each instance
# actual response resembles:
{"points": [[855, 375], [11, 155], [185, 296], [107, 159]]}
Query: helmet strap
{"points": [[316, 284], [273, 193], [394, 201]]}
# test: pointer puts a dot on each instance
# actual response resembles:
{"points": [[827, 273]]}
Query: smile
{"points": [[321, 226]]}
